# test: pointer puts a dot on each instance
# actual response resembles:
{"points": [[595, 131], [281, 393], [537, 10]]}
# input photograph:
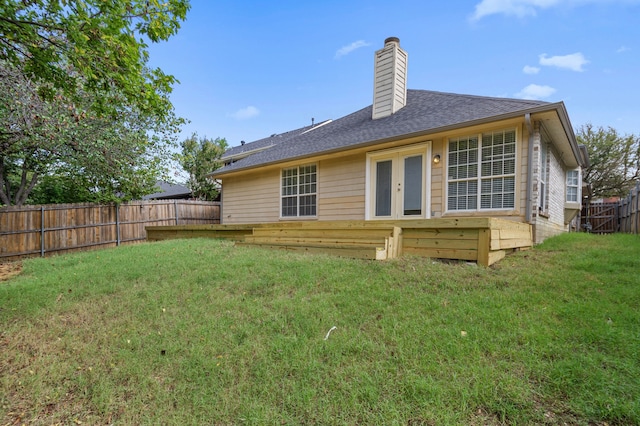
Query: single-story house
{"points": [[413, 154]]}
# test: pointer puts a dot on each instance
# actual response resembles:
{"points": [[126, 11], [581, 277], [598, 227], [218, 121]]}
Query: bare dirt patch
{"points": [[9, 270]]}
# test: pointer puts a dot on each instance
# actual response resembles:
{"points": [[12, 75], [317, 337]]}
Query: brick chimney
{"points": [[390, 79]]}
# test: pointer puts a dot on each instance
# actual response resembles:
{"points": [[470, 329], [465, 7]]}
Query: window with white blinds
{"points": [[299, 191], [481, 171]]}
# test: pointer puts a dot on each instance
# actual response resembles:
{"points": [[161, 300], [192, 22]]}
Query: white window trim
{"points": [[577, 186], [282, 196], [516, 198]]}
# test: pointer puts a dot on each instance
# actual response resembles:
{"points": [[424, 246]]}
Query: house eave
{"points": [[559, 126], [546, 108]]}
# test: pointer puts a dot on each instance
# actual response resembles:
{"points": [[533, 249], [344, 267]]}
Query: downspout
{"points": [[527, 120], [220, 211]]}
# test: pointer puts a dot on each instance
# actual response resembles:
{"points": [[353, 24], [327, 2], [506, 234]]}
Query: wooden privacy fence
{"points": [[610, 217], [600, 218], [628, 212], [56, 228]]}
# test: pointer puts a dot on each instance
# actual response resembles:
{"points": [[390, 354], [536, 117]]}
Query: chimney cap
{"points": [[392, 40]]}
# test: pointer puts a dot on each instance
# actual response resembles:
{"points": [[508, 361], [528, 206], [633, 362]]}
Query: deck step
{"points": [[316, 240], [334, 232], [378, 243], [350, 250]]}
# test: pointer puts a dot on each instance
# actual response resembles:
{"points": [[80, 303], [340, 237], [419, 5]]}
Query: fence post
{"points": [[628, 208], [117, 207], [637, 212], [42, 231], [175, 209]]}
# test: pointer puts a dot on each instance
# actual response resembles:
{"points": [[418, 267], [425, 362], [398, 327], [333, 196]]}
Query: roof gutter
{"points": [[528, 209]]}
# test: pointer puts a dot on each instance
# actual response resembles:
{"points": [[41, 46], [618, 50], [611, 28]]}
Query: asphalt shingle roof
{"points": [[169, 191], [425, 111], [266, 142]]}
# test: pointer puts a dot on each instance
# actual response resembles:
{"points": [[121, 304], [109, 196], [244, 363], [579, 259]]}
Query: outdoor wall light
{"points": [[436, 159]]}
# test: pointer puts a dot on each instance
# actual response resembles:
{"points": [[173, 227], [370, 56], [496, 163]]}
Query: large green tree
{"points": [[200, 157], [112, 156], [78, 99], [97, 46], [614, 160]]}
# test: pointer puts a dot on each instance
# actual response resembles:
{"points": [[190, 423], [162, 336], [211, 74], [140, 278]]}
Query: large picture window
{"points": [[481, 172], [299, 191]]}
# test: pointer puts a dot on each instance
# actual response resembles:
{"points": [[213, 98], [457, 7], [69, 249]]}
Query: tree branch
{"points": [[25, 194], [5, 186], [30, 23]]}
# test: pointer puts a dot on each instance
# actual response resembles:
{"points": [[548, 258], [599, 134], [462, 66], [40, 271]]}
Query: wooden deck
{"points": [[481, 240]]}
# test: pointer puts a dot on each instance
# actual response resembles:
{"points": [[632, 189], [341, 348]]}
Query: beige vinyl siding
{"points": [[390, 84], [437, 178], [341, 186], [383, 88], [251, 197], [255, 197], [400, 89]]}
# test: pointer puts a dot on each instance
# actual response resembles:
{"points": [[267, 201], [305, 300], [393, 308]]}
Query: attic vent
{"points": [[390, 79]]}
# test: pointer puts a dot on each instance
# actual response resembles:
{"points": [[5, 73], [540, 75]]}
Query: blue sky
{"points": [[248, 69]]}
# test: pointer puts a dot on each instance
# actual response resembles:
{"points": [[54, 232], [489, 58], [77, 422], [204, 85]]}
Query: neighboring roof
{"points": [[246, 149], [169, 191], [425, 112]]}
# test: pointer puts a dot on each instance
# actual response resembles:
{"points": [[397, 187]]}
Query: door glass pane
{"points": [[413, 185], [383, 188]]}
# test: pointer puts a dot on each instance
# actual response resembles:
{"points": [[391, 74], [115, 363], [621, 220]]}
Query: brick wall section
{"points": [[557, 189], [535, 177], [550, 222]]}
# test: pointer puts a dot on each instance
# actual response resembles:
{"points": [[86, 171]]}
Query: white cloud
{"points": [[345, 50], [530, 70], [522, 8], [623, 49], [245, 113], [534, 91], [519, 8], [573, 62]]}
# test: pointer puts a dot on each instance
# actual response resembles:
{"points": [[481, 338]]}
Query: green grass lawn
{"points": [[202, 332]]}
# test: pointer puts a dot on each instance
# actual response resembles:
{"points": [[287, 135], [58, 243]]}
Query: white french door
{"points": [[398, 184]]}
